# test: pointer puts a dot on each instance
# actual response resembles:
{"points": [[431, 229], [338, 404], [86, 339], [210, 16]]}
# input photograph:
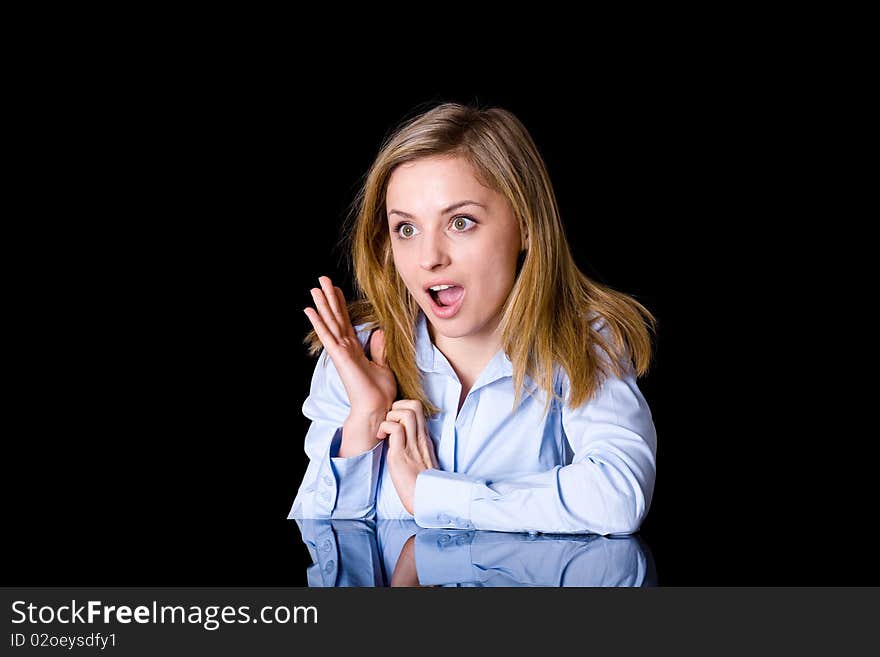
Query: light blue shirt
{"points": [[585, 470]]}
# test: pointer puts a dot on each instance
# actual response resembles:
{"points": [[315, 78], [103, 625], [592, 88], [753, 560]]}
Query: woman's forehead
{"points": [[433, 185]]}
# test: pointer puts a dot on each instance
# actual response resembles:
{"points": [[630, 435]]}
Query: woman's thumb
{"points": [[377, 347]]}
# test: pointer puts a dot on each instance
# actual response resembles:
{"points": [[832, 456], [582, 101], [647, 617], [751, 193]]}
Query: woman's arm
{"points": [[352, 388], [508, 559], [335, 486], [606, 489], [343, 552]]}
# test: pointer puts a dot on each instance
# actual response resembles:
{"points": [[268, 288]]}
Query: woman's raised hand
{"points": [[370, 384]]}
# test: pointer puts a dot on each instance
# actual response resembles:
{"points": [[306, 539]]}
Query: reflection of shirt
{"points": [[588, 469], [365, 553]]}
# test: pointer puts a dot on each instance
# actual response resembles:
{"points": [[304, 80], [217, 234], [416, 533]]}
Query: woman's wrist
{"points": [[359, 432], [368, 414]]}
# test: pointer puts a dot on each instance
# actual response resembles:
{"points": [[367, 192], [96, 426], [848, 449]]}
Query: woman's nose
{"points": [[433, 252]]}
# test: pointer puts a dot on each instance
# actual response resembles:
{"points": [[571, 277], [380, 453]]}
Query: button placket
{"points": [[446, 454]]}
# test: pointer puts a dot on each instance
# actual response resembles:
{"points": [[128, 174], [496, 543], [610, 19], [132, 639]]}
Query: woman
{"points": [[481, 381]]}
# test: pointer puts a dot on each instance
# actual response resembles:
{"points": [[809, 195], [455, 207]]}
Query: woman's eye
{"points": [[459, 225]]}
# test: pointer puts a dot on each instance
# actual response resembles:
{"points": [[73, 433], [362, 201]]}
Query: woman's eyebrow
{"points": [[451, 208]]}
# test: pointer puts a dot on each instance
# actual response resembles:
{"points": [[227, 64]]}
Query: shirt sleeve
{"points": [[505, 559], [334, 487], [343, 552], [606, 489]]}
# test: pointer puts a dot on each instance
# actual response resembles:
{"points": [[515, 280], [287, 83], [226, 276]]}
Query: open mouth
{"points": [[447, 297], [447, 300]]}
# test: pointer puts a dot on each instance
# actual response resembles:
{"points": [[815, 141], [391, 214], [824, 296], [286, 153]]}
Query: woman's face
{"points": [[438, 238]]}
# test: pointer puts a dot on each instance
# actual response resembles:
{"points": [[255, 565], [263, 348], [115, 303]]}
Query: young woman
{"points": [[480, 380]]}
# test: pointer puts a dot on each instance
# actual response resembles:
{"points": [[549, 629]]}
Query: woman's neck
{"points": [[470, 354]]}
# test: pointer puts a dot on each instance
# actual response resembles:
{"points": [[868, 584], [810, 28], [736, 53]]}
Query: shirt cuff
{"points": [[325, 559], [444, 557], [443, 500], [346, 487]]}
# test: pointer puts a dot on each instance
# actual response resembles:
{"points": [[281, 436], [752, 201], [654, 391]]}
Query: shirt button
{"points": [[445, 538], [329, 566], [326, 545], [328, 480]]}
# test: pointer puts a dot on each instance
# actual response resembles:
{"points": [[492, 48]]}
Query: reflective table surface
{"points": [[400, 553]]}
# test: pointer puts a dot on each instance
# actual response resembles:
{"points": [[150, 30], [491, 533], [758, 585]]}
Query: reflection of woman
{"points": [[480, 380], [400, 553]]}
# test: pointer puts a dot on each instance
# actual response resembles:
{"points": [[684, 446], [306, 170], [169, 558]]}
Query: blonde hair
{"points": [[549, 316]]}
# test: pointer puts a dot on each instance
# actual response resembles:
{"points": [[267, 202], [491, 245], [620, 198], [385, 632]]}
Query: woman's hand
{"points": [[410, 448], [370, 384]]}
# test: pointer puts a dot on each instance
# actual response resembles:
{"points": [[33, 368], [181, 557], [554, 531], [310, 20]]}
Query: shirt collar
{"points": [[431, 359], [424, 347]]}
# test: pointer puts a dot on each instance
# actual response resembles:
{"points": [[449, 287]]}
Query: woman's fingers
{"points": [[326, 312], [426, 451], [395, 433], [344, 319], [399, 440], [336, 316], [425, 444], [324, 333], [408, 420], [407, 430], [417, 441], [333, 301], [418, 412]]}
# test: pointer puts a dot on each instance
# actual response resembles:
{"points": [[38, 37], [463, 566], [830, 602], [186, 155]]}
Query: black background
{"points": [[174, 220]]}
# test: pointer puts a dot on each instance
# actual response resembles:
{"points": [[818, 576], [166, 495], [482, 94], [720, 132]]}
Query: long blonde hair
{"points": [[549, 317]]}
